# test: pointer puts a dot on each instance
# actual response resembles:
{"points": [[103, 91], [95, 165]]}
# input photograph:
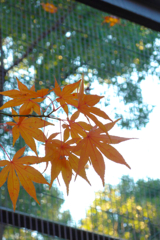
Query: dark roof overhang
{"points": [[143, 12]]}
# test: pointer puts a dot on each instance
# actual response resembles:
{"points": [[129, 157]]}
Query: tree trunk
{"points": [[2, 74]]}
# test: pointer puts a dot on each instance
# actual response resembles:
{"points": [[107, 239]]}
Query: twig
{"points": [[30, 115]]}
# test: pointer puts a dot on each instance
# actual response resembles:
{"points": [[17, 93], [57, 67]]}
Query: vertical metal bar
{"points": [[76, 235], [65, 233], [54, 231], [59, 231], [70, 234]]}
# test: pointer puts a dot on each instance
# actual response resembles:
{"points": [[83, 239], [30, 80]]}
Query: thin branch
{"points": [[30, 115], [42, 36]]}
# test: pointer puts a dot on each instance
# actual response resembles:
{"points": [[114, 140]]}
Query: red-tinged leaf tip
{"points": [[75, 176], [127, 165]]}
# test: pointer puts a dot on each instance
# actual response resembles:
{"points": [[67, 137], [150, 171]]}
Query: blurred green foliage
{"points": [[39, 46], [129, 210]]}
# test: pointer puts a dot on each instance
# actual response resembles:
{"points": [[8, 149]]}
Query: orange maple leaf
{"points": [[94, 144], [28, 128], [22, 92], [65, 95], [25, 97], [57, 153], [18, 171], [112, 20], [85, 105], [75, 129], [49, 7]]}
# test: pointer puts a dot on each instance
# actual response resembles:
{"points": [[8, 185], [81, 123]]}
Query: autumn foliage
{"points": [[49, 7], [111, 20], [76, 144]]}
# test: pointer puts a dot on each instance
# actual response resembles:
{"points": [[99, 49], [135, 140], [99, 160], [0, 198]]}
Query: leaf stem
{"points": [[5, 152], [52, 102]]}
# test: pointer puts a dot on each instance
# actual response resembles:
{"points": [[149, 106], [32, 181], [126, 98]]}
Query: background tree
{"points": [[121, 212], [37, 46], [144, 191]]}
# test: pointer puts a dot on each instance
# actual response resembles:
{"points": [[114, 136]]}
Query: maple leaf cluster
{"points": [[49, 7], [80, 143], [112, 20]]}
